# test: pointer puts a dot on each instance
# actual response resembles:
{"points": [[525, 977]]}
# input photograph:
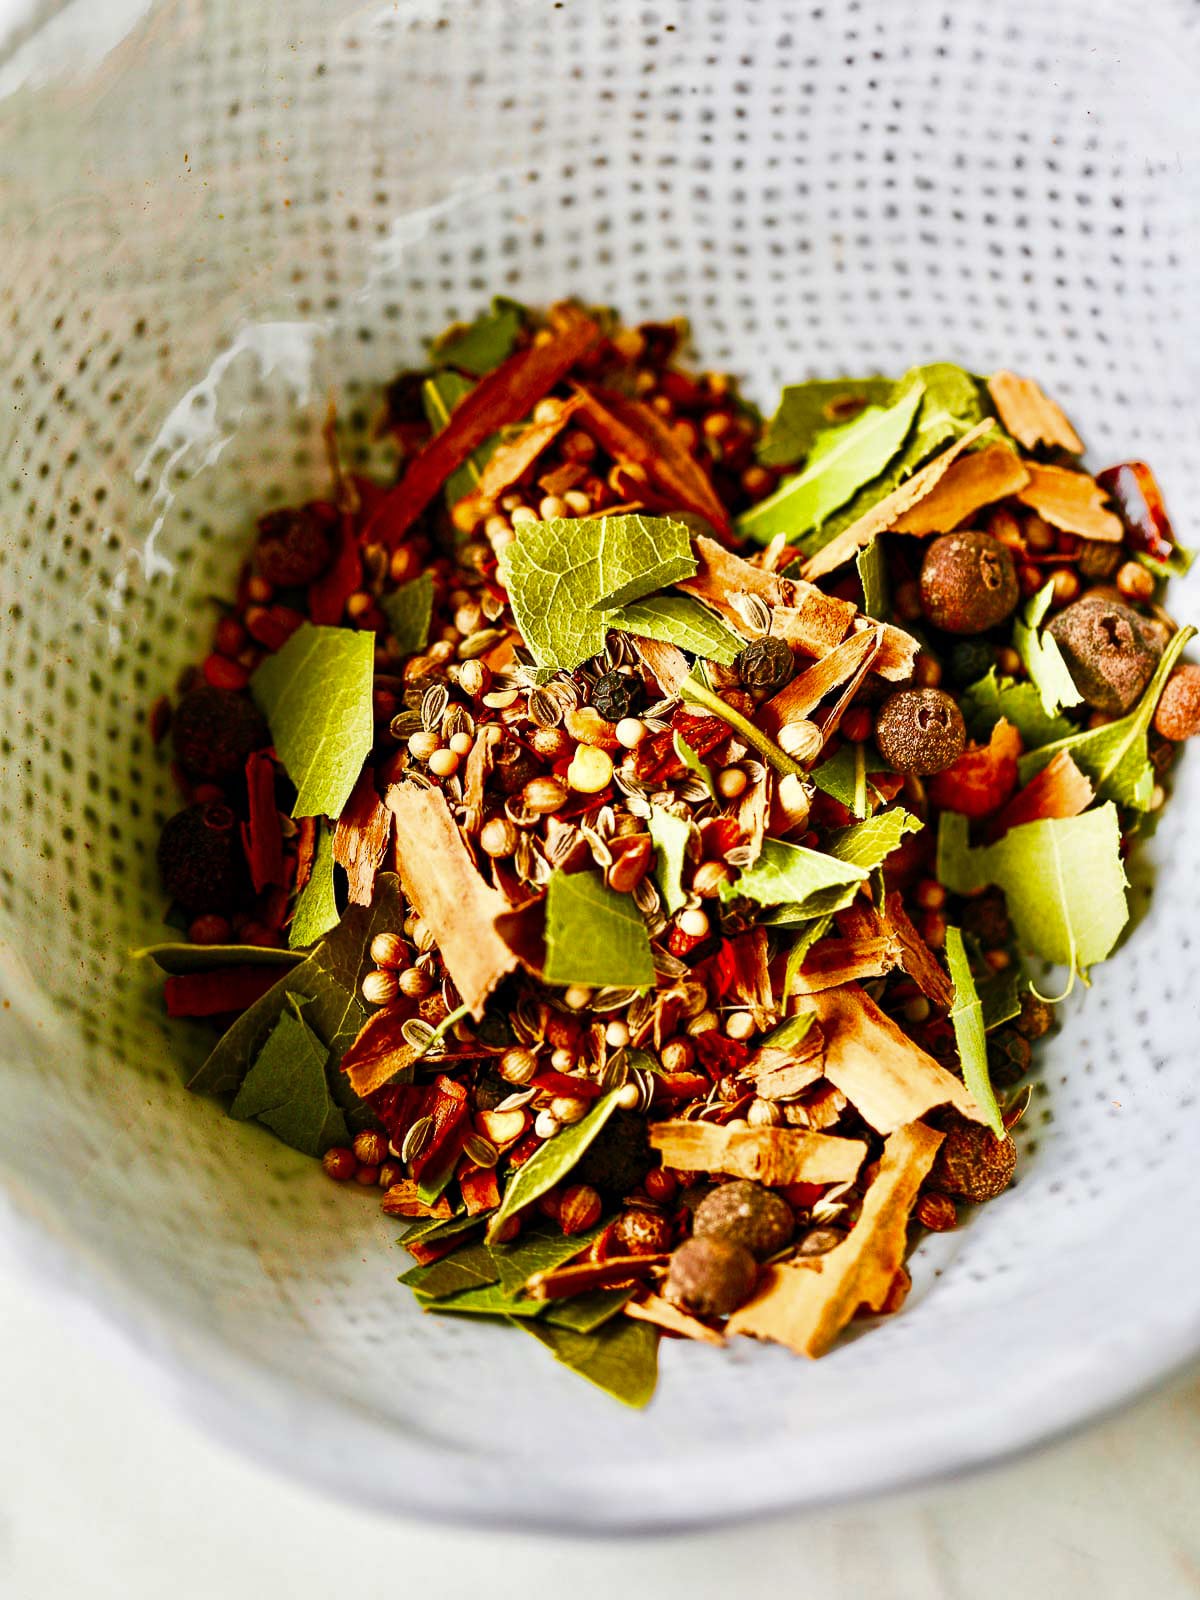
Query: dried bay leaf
{"points": [[671, 836], [966, 1017], [470, 1267], [679, 620], [286, 1088], [409, 610], [179, 957], [594, 935], [868, 844], [1062, 877], [484, 343], [562, 576], [871, 563], [316, 906], [883, 1073], [330, 976], [621, 1357], [806, 1304], [807, 409], [551, 1162], [586, 1312], [773, 1156], [315, 693], [840, 461]]}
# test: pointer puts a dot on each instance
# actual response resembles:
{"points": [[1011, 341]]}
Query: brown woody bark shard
{"points": [[773, 1156], [510, 462], [806, 1304], [560, 1283], [820, 1107], [479, 767], [832, 719], [796, 700], [833, 962], [915, 956], [632, 431], [870, 945], [813, 622], [666, 663], [887, 1078], [448, 894], [1071, 501], [361, 838], [974, 481], [653, 1308], [380, 1052], [783, 1074], [501, 397], [1030, 415], [1060, 789], [402, 1200], [883, 515]]}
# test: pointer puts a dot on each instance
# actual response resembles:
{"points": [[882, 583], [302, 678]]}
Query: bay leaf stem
{"points": [[694, 691]]}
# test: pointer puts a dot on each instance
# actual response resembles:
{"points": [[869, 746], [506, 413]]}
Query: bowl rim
{"points": [[239, 1402]]}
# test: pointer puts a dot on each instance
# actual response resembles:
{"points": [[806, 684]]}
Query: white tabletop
{"points": [[103, 1492]]}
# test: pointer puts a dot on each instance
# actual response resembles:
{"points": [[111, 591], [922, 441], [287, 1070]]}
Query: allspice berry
{"points": [[745, 1213], [710, 1276], [1178, 713], [619, 1157], [214, 730], [920, 731], [200, 858], [973, 1163], [1110, 651], [296, 545], [968, 583]]}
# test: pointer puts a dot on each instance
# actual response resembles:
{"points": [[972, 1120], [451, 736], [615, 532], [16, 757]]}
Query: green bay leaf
{"points": [[538, 1248], [671, 836], [693, 763], [621, 1357], [286, 1088], [551, 1162], [181, 957], [807, 409], [1041, 657], [873, 575], [316, 907], [594, 935], [316, 696], [808, 882], [1000, 996], [409, 610], [1062, 877], [679, 620], [841, 461], [586, 1312], [564, 576], [1116, 755], [966, 1017], [485, 343], [868, 844], [992, 697], [469, 1267]]}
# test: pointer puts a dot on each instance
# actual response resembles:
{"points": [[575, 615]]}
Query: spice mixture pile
{"points": [[618, 841]]}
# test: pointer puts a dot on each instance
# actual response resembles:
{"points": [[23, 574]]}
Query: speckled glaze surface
{"points": [[215, 214]]}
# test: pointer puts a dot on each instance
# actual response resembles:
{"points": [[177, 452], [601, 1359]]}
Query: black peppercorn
{"points": [[200, 859], [617, 695], [968, 661], [295, 546], [214, 730], [765, 664], [920, 731], [1110, 651], [968, 583], [618, 1158]]}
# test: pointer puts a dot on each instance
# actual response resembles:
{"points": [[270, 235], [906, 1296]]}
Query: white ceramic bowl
{"points": [[216, 211]]}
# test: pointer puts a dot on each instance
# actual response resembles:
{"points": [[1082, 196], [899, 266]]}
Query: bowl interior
{"points": [[230, 213]]}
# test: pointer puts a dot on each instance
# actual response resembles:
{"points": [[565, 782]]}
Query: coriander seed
{"points": [[415, 983], [732, 782], [388, 950], [421, 745], [380, 987], [498, 837], [544, 795], [517, 1065]]}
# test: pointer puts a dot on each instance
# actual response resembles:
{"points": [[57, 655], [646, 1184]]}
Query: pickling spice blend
{"points": [[621, 840]]}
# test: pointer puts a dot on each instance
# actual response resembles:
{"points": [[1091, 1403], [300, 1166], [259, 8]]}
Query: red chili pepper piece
{"points": [[720, 1055], [1139, 500], [449, 1109], [560, 1083], [262, 837], [211, 994], [501, 397], [328, 595]]}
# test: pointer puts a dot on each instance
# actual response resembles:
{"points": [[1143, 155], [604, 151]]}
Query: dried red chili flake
{"points": [[272, 626], [448, 1105], [655, 757], [328, 595], [480, 1189], [501, 397], [397, 1106], [425, 1253], [1139, 499], [562, 1083], [524, 1148], [680, 1085], [262, 837], [212, 994], [306, 850], [719, 1055]]}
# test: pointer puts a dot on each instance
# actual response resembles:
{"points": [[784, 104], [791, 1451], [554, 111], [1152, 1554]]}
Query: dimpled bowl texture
{"points": [[216, 214]]}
